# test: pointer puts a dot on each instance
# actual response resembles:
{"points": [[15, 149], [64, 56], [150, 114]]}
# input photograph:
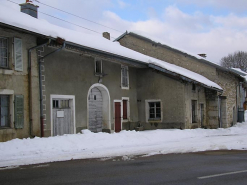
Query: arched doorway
{"points": [[98, 108]]}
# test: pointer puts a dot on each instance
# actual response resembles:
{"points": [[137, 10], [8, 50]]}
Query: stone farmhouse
{"points": [[229, 102], [55, 81]]}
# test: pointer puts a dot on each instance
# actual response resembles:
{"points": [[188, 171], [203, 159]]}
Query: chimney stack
{"points": [[106, 35], [29, 8]]}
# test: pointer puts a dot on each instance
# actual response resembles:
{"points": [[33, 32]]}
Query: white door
{"points": [[95, 110]]}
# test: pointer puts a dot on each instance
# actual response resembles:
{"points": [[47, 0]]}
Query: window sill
{"points": [[125, 88], [154, 120], [125, 120], [99, 74], [4, 128], [6, 71]]}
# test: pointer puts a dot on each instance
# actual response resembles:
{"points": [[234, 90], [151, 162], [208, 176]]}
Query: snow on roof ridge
{"points": [[43, 27]]}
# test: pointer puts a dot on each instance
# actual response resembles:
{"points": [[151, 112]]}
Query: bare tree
{"points": [[235, 60]]}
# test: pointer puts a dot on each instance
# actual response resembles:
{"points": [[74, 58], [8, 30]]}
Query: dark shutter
{"points": [[125, 109], [19, 111]]}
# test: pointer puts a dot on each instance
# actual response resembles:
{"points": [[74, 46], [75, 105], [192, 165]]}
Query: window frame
{"points": [[9, 92], [7, 53], [95, 67], [8, 125], [127, 111], [124, 67], [156, 119]]}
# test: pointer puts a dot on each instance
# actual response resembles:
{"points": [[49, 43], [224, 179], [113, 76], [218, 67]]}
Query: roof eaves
{"points": [[182, 77]]}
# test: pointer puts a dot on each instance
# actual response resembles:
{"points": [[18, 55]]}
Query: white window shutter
{"points": [[125, 76], [18, 54]]}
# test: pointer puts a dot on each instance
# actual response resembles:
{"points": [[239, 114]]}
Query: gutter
{"points": [[182, 77], [40, 88], [30, 86]]}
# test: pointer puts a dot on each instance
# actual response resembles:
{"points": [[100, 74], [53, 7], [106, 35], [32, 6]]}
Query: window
{"points": [[154, 111], [4, 111], [193, 87], [18, 54], [125, 110], [194, 111], [4, 52], [124, 77], [60, 104], [98, 67]]}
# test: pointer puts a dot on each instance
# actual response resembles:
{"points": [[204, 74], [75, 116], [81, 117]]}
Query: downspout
{"points": [[30, 86], [219, 110], [40, 89]]}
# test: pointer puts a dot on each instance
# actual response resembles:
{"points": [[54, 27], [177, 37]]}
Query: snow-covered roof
{"points": [[240, 72], [21, 20]]}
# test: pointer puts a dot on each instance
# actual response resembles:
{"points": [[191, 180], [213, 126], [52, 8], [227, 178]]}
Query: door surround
{"points": [[106, 104], [71, 97]]}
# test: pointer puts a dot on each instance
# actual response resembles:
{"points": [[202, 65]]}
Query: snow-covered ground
{"points": [[126, 143]]}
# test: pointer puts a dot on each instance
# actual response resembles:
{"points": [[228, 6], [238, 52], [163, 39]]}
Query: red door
{"points": [[117, 116]]}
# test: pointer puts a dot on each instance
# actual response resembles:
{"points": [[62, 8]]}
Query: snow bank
{"points": [[24, 21], [126, 143]]}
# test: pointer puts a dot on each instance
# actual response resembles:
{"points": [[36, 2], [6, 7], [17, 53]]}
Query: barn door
{"points": [[117, 116], [62, 117], [95, 110]]}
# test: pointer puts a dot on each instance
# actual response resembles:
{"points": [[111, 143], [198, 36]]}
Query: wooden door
{"points": [[117, 116], [95, 110], [62, 117]]}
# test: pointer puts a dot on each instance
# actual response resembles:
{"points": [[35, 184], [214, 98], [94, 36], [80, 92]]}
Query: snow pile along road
{"points": [[91, 145]]}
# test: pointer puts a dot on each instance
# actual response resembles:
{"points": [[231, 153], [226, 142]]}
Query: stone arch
{"points": [[106, 111]]}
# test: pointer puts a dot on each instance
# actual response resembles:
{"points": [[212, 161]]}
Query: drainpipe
{"points": [[219, 110], [30, 86], [40, 89]]}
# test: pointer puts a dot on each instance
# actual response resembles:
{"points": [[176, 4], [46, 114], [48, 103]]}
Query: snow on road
{"points": [[126, 143]]}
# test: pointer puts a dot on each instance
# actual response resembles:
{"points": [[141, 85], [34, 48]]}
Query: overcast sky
{"points": [[214, 27]]}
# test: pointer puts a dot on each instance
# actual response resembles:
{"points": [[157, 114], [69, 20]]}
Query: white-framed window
{"points": [[153, 110], [125, 109], [4, 111], [9, 109], [98, 67], [4, 63], [124, 77], [18, 54], [194, 111]]}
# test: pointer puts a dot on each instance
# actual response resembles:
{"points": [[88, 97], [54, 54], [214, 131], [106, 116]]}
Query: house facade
{"points": [[19, 92], [56, 81], [229, 101]]}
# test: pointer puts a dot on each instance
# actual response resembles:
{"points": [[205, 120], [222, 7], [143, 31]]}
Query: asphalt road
{"points": [[212, 167]]}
